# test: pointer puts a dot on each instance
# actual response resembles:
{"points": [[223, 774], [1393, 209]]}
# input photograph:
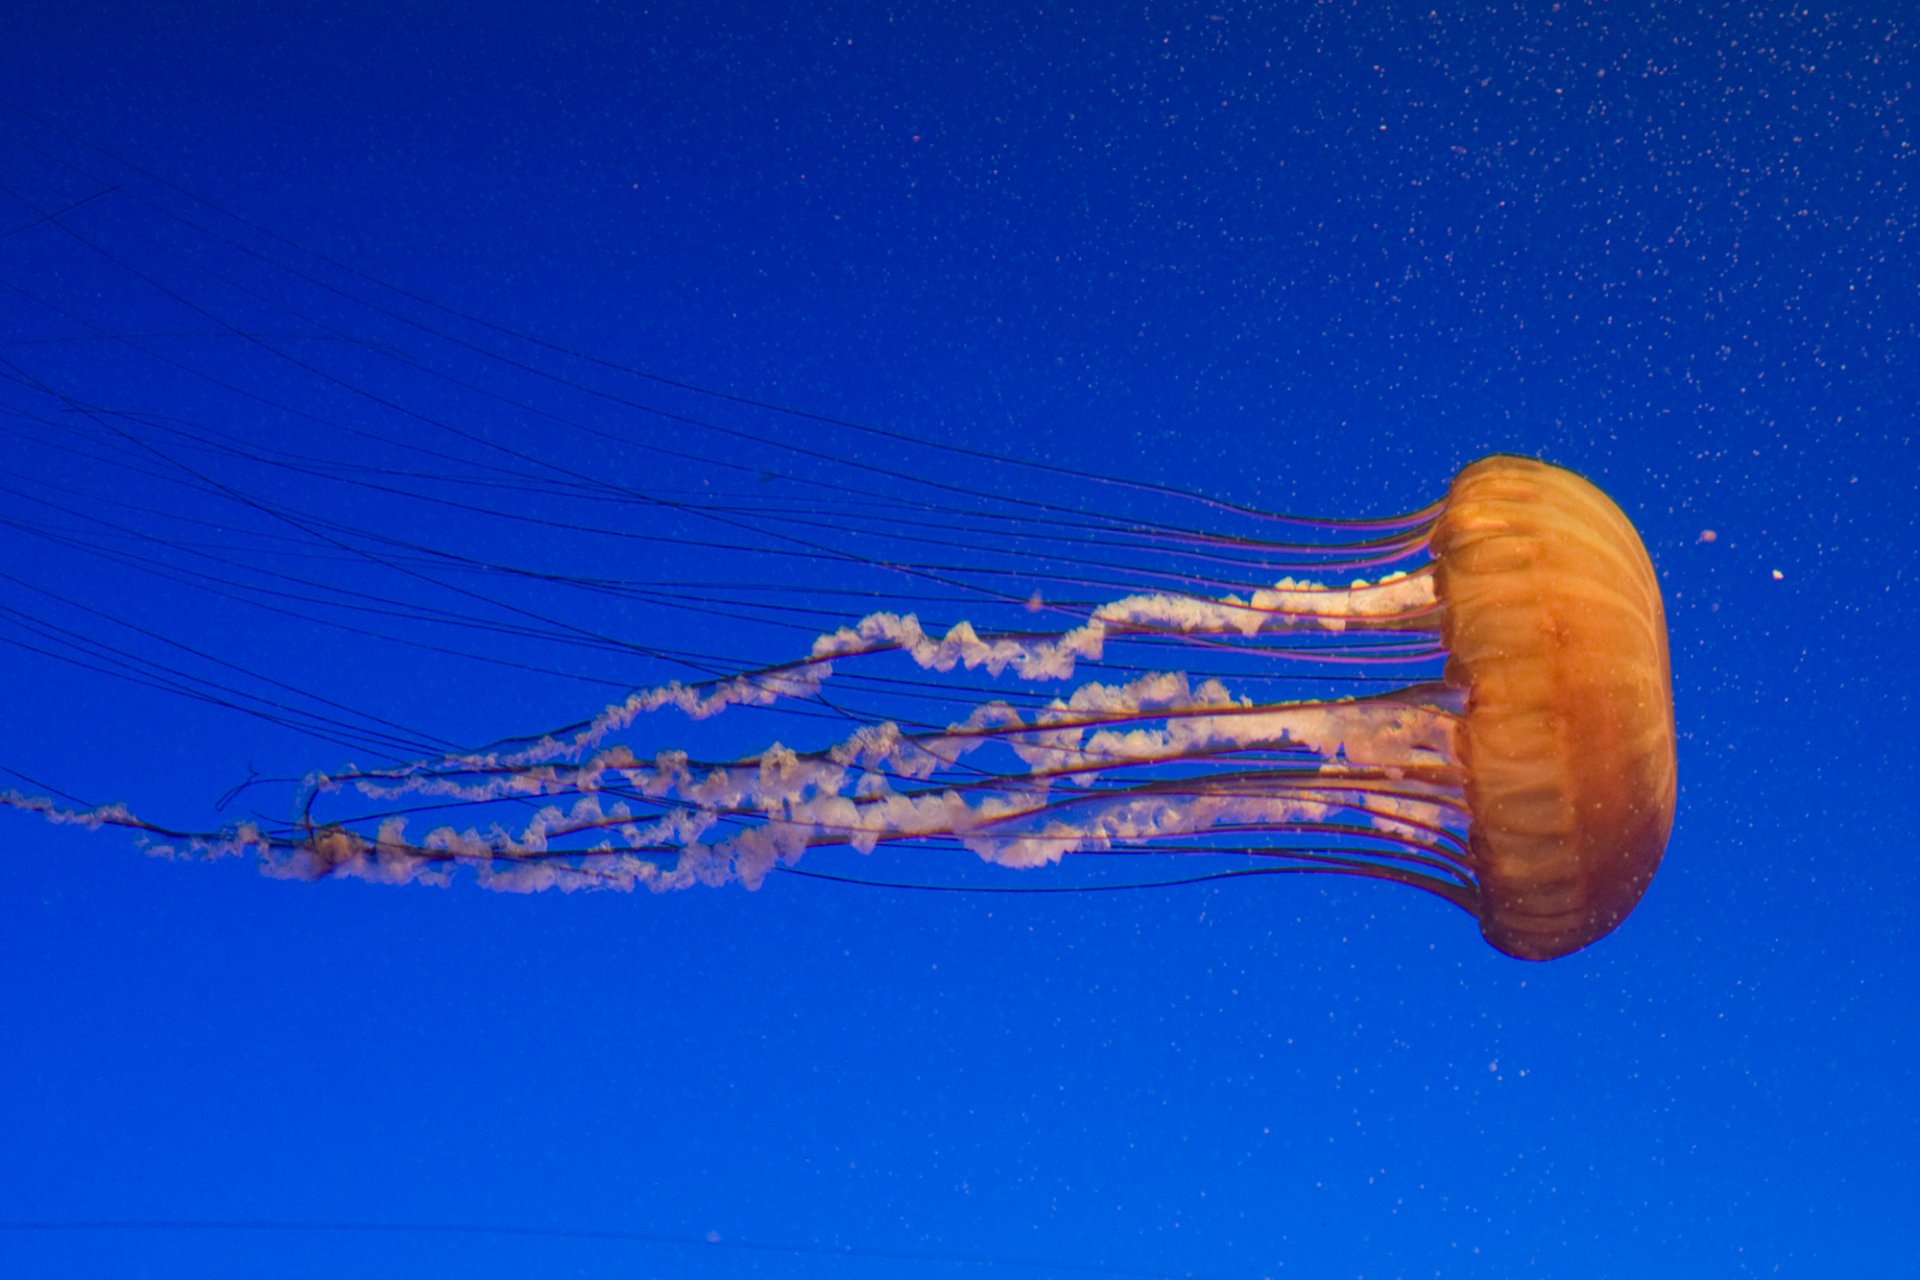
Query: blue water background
{"points": [[1308, 258]]}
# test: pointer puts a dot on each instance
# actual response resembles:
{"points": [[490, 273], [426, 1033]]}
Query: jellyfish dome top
{"points": [[1553, 626]]}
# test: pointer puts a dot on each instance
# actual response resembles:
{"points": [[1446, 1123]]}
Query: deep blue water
{"points": [[1297, 258]]}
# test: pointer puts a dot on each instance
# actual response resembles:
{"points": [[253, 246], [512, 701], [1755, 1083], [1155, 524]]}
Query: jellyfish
{"points": [[1533, 784], [981, 684]]}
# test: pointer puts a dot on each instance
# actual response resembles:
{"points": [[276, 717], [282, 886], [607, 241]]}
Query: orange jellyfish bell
{"points": [[1554, 630]]}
